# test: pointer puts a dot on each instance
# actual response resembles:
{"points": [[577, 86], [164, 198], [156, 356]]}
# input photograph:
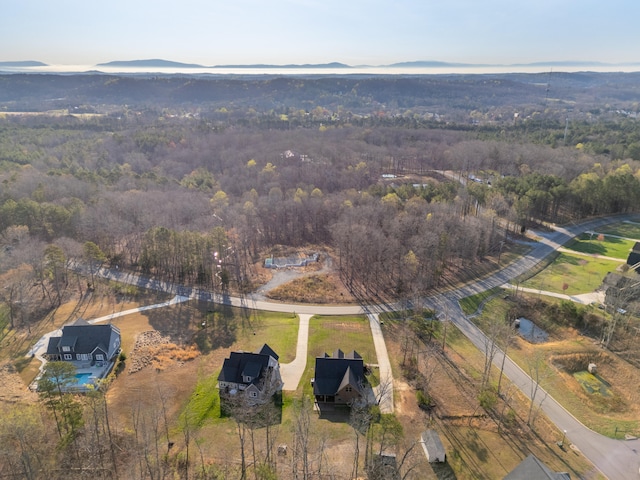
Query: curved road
{"points": [[616, 459]]}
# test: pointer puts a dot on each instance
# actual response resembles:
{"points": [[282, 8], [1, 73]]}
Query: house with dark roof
{"points": [[634, 256], [84, 344], [532, 468], [339, 379], [255, 375]]}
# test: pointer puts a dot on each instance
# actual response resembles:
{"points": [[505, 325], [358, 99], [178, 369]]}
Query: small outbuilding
{"points": [[433, 448], [532, 468]]}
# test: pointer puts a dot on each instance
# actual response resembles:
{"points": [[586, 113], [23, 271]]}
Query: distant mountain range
{"points": [[26, 63], [152, 63], [159, 63]]}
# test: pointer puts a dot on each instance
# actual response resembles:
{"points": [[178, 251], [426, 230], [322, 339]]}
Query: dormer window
{"points": [[66, 349], [246, 379]]}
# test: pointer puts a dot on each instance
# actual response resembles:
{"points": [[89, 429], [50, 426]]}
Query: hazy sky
{"points": [[374, 32]]}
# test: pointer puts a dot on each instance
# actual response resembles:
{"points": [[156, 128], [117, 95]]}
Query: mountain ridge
{"points": [[161, 63]]}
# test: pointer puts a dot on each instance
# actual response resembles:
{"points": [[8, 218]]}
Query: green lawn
{"points": [[572, 274], [471, 304], [278, 330], [328, 333], [625, 229], [609, 247]]}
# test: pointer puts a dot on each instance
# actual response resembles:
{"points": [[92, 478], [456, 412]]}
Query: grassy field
{"points": [[625, 229], [470, 305], [328, 333], [608, 247], [572, 274]]}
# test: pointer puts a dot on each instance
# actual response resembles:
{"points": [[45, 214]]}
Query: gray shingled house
{"points": [[84, 344], [532, 468], [255, 375], [339, 379]]}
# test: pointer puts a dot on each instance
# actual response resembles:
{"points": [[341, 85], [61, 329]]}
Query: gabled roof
{"points": [[246, 364], [433, 446], [532, 468], [349, 379], [266, 350], [334, 373], [82, 337]]}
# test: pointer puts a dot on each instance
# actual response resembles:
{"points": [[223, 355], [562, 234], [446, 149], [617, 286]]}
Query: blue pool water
{"points": [[83, 378]]}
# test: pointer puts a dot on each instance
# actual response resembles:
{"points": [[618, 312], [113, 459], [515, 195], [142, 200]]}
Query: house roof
{"points": [[267, 350], [332, 374], [243, 364], [433, 445], [82, 337], [532, 468]]}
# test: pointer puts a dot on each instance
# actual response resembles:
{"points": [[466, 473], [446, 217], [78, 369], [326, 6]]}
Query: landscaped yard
{"points": [[572, 274], [328, 333], [608, 247], [624, 229]]}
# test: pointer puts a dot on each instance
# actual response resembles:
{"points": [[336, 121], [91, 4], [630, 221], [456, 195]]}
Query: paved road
{"points": [[616, 459]]}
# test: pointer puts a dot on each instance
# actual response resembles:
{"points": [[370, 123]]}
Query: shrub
{"points": [[424, 400], [487, 398]]}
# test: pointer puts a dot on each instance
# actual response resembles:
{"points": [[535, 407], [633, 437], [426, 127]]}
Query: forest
{"points": [[408, 183]]}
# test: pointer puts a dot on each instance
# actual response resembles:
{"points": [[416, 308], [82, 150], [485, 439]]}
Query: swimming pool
{"points": [[84, 379]]}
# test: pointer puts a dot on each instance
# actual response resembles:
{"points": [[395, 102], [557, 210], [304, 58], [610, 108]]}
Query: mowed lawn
{"points": [[625, 229], [572, 274], [613, 247], [328, 333]]}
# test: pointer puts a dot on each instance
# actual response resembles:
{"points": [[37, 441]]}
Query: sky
{"points": [[355, 32]]}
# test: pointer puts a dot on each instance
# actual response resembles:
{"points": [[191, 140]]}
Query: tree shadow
{"points": [[443, 471], [584, 246], [333, 413]]}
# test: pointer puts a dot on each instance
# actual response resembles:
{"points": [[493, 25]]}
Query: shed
{"points": [[432, 446], [532, 468]]}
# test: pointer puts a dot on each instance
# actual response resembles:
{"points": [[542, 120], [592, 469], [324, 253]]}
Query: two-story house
{"points": [[84, 343], [255, 375], [339, 379]]}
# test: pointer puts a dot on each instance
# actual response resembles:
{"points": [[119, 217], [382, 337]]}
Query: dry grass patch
{"points": [[311, 289], [152, 348]]}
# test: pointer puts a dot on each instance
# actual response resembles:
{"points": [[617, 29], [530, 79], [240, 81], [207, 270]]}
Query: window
{"points": [[99, 356], [66, 349], [253, 394], [68, 356], [347, 389]]}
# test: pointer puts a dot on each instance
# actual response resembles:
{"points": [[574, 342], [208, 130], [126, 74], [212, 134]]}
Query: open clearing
{"points": [[572, 274]]}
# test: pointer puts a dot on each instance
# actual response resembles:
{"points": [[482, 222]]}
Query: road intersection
{"points": [[616, 459]]}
